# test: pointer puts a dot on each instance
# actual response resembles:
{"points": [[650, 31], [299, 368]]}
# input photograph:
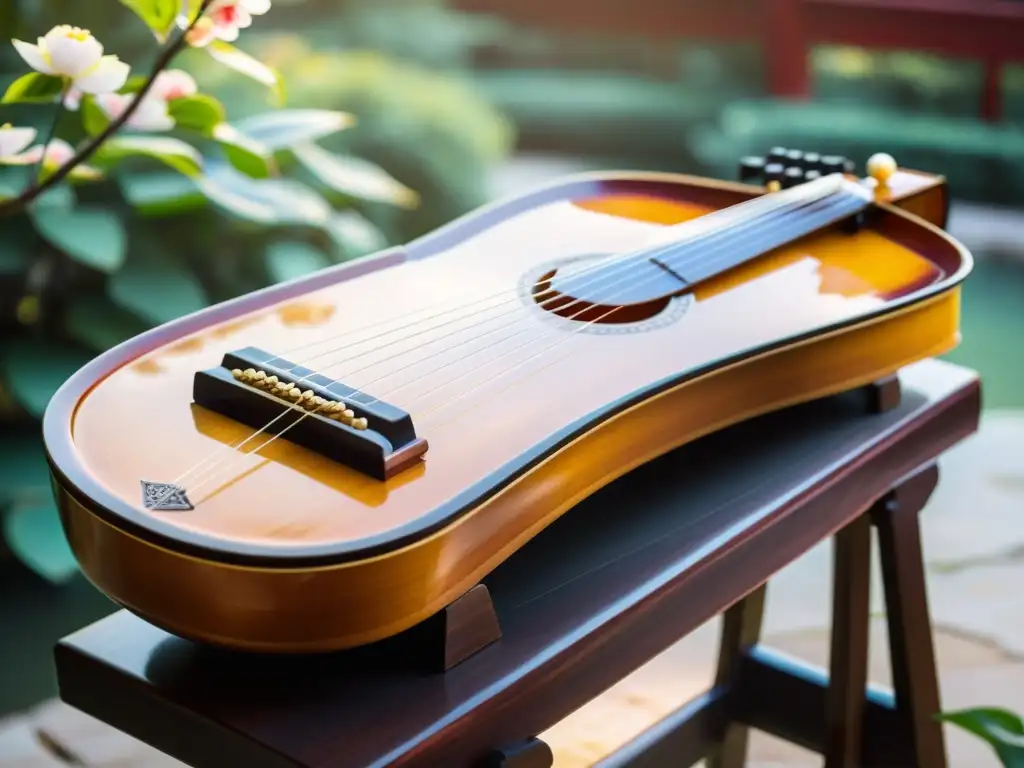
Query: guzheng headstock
{"points": [[924, 194], [783, 167]]}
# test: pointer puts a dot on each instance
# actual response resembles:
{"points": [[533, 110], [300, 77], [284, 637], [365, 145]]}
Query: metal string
{"points": [[457, 396], [769, 202]]}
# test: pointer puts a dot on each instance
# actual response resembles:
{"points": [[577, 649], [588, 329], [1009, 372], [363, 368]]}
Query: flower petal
{"points": [[14, 140], [109, 74], [227, 34], [174, 84], [202, 34], [73, 100], [152, 115], [256, 7], [31, 157], [243, 20], [72, 51], [58, 153], [34, 56]]}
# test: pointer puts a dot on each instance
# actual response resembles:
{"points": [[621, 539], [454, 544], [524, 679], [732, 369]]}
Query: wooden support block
{"points": [[883, 395], [453, 634]]}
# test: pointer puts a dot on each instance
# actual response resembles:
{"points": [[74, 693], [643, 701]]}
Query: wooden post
{"points": [[785, 49], [992, 91]]}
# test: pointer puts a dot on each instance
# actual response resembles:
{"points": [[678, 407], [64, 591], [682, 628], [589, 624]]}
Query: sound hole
{"points": [[605, 291]]}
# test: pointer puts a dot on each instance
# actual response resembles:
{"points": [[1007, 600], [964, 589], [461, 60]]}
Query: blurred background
{"points": [[462, 101]]}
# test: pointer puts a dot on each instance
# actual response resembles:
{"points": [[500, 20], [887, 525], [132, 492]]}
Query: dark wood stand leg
{"points": [[915, 681], [848, 673], [452, 635], [741, 631], [532, 753]]}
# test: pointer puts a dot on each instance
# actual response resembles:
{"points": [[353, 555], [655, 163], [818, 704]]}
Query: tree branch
{"points": [[17, 204]]}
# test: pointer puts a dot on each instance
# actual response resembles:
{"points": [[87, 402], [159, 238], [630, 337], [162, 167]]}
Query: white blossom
{"points": [[73, 53], [150, 115], [14, 140], [173, 84], [225, 19]]}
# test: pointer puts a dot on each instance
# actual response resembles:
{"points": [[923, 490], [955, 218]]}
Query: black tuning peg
{"points": [[794, 158], [774, 172], [777, 154], [837, 164], [752, 169], [812, 161], [792, 176], [812, 174]]}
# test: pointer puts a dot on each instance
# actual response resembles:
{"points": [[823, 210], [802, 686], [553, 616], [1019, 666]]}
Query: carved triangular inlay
{"points": [[164, 496]]}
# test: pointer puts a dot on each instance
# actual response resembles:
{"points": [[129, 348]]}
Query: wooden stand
{"points": [[452, 635], [606, 588]]}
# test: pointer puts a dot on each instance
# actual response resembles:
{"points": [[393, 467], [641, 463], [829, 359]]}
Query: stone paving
{"points": [[973, 531]]}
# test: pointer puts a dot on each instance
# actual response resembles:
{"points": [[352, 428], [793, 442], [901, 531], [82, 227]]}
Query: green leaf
{"points": [[91, 236], [159, 15], [180, 156], [268, 201], [17, 249], [355, 235], [24, 473], [156, 290], [36, 537], [1002, 729], [34, 87], [243, 63], [247, 155], [290, 259], [60, 196], [134, 85], [198, 113], [161, 194], [98, 324], [355, 177], [94, 119], [35, 369], [287, 128]]}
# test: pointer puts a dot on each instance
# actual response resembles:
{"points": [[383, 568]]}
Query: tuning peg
{"points": [[881, 167], [812, 174], [752, 168], [812, 161], [794, 157], [792, 176], [833, 164], [777, 154]]}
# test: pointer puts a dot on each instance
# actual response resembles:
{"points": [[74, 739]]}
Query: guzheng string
{"points": [[563, 337], [770, 204], [623, 259], [709, 263], [693, 227]]}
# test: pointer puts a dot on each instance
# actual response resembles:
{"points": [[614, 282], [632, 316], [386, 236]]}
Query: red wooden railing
{"points": [[989, 31]]}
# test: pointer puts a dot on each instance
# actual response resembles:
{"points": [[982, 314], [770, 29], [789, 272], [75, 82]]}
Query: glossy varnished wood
{"points": [[607, 587], [516, 436]]}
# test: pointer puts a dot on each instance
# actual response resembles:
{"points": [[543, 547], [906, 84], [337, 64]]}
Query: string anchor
{"points": [[166, 497]]}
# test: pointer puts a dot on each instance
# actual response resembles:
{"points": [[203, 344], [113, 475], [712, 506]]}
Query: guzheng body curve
{"points": [[523, 415]]}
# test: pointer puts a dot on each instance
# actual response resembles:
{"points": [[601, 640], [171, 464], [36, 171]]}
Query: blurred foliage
{"points": [[369, 151], [999, 728]]}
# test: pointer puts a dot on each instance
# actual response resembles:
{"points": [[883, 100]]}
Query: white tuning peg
{"points": [[881, 167]]}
